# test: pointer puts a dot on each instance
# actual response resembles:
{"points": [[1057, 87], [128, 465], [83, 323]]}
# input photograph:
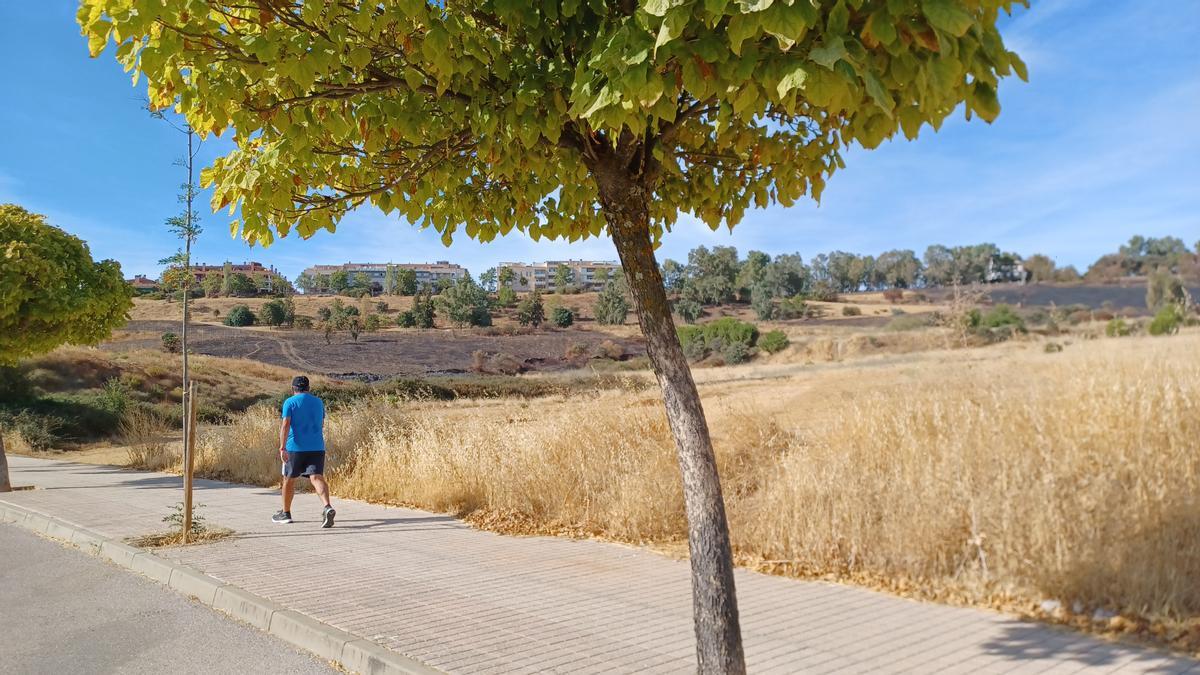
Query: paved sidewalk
{"points": [[465, 601]]}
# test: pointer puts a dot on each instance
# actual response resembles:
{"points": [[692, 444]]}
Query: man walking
{"points": [[302, 449]]}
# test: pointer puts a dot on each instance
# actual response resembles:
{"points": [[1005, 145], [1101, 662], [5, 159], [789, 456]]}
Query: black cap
{"points": [[300, 383]]}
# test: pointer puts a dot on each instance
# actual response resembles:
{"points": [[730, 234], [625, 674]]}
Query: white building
{"points": [[427, 273], [589, 275]]}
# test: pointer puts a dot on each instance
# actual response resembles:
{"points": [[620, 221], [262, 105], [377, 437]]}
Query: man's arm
{"points": [[283, 434]]}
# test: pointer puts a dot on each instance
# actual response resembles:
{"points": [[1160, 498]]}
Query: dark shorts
{"points": [[304, 464]]}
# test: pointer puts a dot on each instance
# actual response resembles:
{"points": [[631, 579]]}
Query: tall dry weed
{"points": [[147, 438]]}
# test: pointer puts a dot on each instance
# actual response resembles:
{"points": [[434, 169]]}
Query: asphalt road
{"points": [[63, 611]]}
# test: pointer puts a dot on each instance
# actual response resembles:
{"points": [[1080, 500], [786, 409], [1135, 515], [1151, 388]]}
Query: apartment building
{"points": [[427, 273], [589, 275], [252, 269]]}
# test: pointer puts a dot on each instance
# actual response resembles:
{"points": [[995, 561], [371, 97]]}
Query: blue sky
{"points": [[1102, 143]]}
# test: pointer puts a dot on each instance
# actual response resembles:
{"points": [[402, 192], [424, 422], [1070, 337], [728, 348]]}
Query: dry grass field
{"points": [[1002, 476]]}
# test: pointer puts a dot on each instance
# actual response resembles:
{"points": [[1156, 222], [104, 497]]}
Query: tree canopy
{"points": [[494, 115], [51, 291]]}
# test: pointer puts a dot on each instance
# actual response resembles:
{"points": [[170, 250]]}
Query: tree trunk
{"points": [[718, 636], [5, 485]]}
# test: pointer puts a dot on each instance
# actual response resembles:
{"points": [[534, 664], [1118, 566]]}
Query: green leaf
{"points": [[672, 26], [750, 6], [829, 53], [786, 23], [946, 15], [741, 27], [360, 57], [1019, 66], [660, 7], [793, 78], [984, 101], [878, 93]]}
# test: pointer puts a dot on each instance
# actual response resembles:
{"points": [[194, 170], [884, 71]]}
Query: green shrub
{"points": [[406, 319], [773, 341], [1117, 327], [691, 338], [304, 322], [735, 352], [611, 306], [851, 310], [1167, 320], [729, 330], [273, 313], [1002, 316], [506, 296], [240, 316], [171, 343], [1052, 348], [561, 317], [373, 323]]}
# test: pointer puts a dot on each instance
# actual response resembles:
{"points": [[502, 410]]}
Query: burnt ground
{"points": [[1129, 298], [375, 355]]}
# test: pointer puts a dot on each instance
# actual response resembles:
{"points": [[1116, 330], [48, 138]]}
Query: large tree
{"points": [[52, 293], [559, 119]]}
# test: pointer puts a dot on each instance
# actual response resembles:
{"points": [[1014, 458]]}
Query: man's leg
{"points": [[289, 490], [320, 487]]}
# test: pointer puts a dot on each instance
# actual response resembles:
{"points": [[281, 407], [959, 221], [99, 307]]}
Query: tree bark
{"points": [[625, 205], [5, 485]]}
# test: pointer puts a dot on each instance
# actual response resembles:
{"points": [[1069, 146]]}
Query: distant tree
{"points": [[689, 310], [751, 273], [406, 319], [713, 274], [505, 277], [785, 276], [674, 275], [241, 286], [611, 306], [361, 282], [307, 283], [423, 310], [531, 311], [1040, 268], [372, 323], [227, 279], [389, 280], [762, 300], [354, 326], [1067, 274], [339, 281], [506, 296], [466, 303], [327, 329], [488, 280], [212, 284], [406, 281], [898, 268], [564, 277]]}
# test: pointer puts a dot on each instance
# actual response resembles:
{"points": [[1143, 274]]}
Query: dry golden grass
{"points": [[149, 441], [999, 476]]}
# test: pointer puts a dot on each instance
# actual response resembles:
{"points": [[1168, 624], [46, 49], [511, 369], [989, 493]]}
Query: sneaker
{"points": [[283, 517], [327, 516]]}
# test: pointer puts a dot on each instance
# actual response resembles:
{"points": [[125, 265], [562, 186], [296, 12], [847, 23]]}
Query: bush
{"points": [[561, 317], [531, 311], [691, 338], [273, 313], [735, 352], [610, 350], [1117, 327], [851, 310], [381, 307], [893, 295], [304, 322], [1002, 316], [793, 308], [240, 316], [324, 313], [729, 330], [171, 343], [373, 323], [1167, 320], [773, 341], [423, 310], [1052, 348], [575, 351], [406, 319]]}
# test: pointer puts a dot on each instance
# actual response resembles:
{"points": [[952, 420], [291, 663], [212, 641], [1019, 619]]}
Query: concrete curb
{"points": [[350, 651]]}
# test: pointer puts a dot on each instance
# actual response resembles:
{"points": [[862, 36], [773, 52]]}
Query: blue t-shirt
{"points": [[307, 414]]}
